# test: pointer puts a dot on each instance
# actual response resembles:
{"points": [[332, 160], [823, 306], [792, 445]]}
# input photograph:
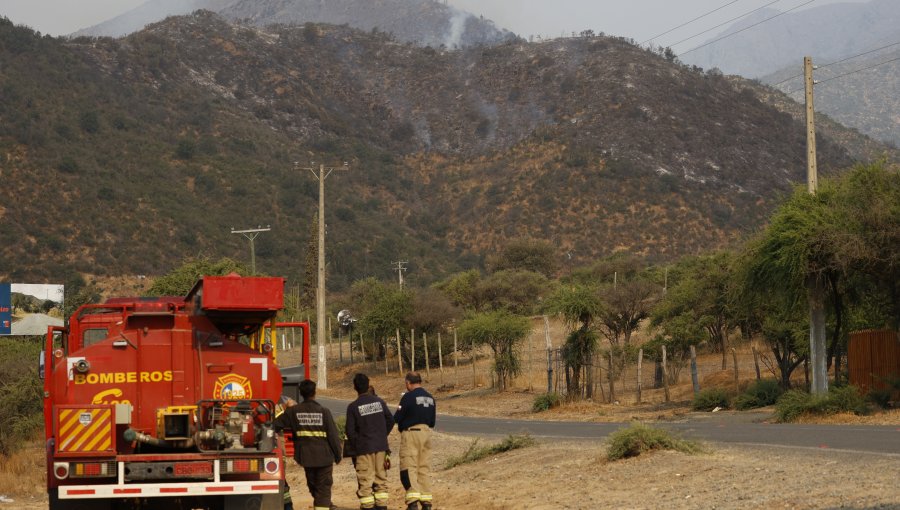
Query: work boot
{"points": [[413, 506], [426, 506], [380, 508]]}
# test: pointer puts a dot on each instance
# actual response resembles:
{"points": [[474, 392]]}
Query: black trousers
{"points": [[319, 482]]}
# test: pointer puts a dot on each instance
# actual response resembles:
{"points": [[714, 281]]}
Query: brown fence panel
{"points": [[873, 359]]}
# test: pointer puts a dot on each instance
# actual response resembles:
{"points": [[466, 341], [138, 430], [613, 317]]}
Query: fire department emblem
{"points": [[233, 387]]}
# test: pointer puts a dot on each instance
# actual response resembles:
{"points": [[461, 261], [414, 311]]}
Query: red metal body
{"points": [[141, 397]]}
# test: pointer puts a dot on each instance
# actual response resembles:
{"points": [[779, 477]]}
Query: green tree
{"points": [[579, 306], [699, 295], [516, 291], [533, 255], [462, 289], [502, 332], [181, 280]]}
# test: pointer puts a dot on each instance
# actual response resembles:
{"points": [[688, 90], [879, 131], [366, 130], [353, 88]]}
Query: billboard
{"points": [[27, 309], [5, 309]]}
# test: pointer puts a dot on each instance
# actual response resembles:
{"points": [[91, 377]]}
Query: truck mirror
{"points": [[41, 366]]}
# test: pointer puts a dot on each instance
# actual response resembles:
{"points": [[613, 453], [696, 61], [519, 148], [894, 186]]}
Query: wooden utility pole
{"points": [[322, 376], [814, 285]]}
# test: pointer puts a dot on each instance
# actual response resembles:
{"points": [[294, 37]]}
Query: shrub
{"points": [[545, 402], [639, 438], [796, 403], [764, 392], [474, 453], [21, 402], [711, 398]]}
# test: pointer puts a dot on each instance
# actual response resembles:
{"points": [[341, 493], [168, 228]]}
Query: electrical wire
{"points": [[725, 23], [846, 74], [838, 62], [748, 28], [691, 21]]}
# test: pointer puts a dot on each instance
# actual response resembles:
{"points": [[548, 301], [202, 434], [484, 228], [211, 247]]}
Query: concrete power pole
{"points": [[814, 285], [252, 234], [322, 374], [400, 267]]}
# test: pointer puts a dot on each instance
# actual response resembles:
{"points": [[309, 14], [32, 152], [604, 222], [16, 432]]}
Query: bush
{"points": [[764, 392], [21, 402], [545, 402], [796, 403], [711, 398], [639, 438], [474, 453]]}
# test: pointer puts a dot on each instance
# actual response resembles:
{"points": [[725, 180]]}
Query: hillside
{"points": [[422, 22], [124, 156]]}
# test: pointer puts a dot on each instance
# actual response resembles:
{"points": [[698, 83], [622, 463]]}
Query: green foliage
{"points": [[461, 288], [525, 255], [181, 280], [761, 393], [502, 332], [513, 290], [475, 453], [711, 398], [381, 308], [21, 402], [638, 439], [545, 402], [796, 403]]}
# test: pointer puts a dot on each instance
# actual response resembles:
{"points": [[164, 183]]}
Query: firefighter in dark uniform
{"points": [[415, 418], [369, 422], [317, 444]]}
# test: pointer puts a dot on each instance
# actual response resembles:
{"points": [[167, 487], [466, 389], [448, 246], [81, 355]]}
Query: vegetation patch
{"points": [[711, 398], [764, 392], [545, 402], [21, 403], [639, 438], [796, 403], [474, 452]]}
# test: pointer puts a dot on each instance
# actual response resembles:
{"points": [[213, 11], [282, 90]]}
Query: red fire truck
{"points": [[168, 402]]}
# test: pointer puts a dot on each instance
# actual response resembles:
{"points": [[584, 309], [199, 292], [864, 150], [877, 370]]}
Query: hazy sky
{"points": [[638, 19]]}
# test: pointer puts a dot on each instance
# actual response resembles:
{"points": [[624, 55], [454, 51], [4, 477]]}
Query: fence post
{"points": [[549, 371], [756, 361], [612, 387], [440, 358], [427, 363], [694, 379], [455, 357], [665, 374], [639, 363], [474, 373], [385, 356], [399, 354], [412, 346], [734, 357], [340, 346]]}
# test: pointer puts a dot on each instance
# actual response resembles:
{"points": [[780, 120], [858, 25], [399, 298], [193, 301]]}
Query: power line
{"points": [[748, 28], [691, 21], [848, 74], [725, 23], [839, 62]]}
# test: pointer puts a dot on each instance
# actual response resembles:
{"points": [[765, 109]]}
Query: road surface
{"points": [[881, 440]]}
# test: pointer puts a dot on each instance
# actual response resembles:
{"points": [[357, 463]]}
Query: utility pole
{"points": [[400, 266], [322, 375], [252, 234], [814, 285]]}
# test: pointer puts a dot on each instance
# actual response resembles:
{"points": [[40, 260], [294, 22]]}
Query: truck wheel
{"points": [[261, 502]]}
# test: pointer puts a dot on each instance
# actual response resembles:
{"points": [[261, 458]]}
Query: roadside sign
{"points": [[5, 309]]}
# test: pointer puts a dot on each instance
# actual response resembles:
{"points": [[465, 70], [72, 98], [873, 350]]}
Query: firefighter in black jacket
{"points": [[369, 422], [415, 418], [317, 444]]}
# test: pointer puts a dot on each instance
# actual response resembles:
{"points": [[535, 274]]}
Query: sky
{"points": [[637, 19]]}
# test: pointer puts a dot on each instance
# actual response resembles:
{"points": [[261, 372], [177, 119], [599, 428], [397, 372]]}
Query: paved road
{"points": [[883, 440]]}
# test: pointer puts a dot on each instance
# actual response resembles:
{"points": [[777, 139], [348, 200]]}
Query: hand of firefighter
{"points": [[387, 461]]}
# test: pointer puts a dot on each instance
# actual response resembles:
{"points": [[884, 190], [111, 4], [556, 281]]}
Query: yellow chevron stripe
{"points": [[97, 423], [69, 421], [100, 435], [79, 433]]}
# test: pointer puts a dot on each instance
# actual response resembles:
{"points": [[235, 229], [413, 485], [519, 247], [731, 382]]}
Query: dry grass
{"points": [[24, 473]]}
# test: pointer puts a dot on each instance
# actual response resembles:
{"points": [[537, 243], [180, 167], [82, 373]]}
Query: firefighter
{"points": [[317, 445], [415, 418], [369, 422]]}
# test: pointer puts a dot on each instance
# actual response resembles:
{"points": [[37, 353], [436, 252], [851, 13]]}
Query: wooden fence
{"points": [[874, 359]]}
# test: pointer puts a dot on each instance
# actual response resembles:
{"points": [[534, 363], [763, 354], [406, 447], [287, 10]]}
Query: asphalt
{"points": [[880, 440]]}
